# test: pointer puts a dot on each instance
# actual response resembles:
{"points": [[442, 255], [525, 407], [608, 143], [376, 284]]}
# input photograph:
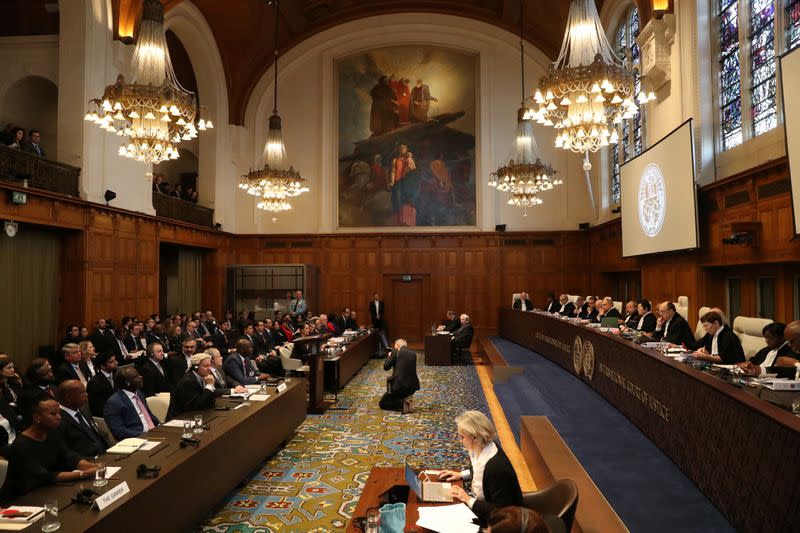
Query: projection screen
{"points": [[790, 81], [659, 198]]}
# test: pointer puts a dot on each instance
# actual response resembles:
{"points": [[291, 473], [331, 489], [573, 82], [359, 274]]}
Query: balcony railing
{"points": [[18, 166], [177, 209]]}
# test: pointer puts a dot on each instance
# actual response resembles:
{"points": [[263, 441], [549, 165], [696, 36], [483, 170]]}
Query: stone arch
{"points": [[31, 102]]}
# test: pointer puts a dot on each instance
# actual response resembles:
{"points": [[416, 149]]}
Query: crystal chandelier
{"points": [[277, 182], [524, 176], [588, 89], [150, 111]]}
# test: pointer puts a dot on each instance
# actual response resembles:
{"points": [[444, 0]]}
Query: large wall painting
{"points": [[406, 122]]}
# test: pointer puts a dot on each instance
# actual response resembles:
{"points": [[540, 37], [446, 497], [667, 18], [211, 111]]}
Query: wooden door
{"points": [[404, 310]]}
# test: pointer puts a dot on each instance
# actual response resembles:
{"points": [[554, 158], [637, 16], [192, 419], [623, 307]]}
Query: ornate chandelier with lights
{"points": [[277, 182], [588, 89], [524, 176], [150, 111]]}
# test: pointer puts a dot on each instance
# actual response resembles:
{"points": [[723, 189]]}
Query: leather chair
{"points": [[291, 365], [559, 499], [699, 332], [514, 297], [682, 306], [748, 330], [159, 404], [618, 307]]}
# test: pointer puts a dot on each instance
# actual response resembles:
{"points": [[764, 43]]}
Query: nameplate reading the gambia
{"points": [[281, 388], [111, 496]]}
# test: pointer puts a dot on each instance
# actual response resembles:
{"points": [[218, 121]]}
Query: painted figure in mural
{"points": [[402, 92], [420, 102], [403, 187], [383, 115]]}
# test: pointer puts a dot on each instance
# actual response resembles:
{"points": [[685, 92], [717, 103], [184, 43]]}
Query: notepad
{"points": [[259, 397], [20, 514], [127, 446], [175, 423]]}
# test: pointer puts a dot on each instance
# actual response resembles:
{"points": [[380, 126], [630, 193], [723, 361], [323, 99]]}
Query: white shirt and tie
{"points": [[523, 306], [141, 410]]}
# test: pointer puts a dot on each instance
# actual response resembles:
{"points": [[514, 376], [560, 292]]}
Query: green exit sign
{"points": [[19, 197]]}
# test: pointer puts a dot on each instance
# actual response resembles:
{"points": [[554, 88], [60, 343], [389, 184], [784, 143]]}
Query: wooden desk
{"points": [[437, 350], [379, 481], [340, 369], [723, 438], [316, 375], [192, 480]]}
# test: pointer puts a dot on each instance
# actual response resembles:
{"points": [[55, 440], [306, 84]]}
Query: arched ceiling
{"points": [[243, 28]]}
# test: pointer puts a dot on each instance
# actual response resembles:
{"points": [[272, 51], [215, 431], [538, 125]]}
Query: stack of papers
{"points": [[126, 446], [20, 514], [457, 518]]}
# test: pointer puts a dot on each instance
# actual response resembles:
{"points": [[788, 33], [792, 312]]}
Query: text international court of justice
{"points": [[394, 266]]}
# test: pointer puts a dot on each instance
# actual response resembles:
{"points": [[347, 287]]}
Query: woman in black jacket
{"points": [[494, 481]]}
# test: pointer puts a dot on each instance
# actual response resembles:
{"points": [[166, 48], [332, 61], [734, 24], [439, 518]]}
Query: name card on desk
{"points": [[281, 388], [111, 496]]}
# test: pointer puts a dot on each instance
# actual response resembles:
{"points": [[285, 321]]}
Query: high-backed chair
{"points": [[572, 298], [699, 332], [682, 306], [749, 331], [159, 404], [104, 431], [291, 365], [618, 306], [514, 297], [559, 499]]}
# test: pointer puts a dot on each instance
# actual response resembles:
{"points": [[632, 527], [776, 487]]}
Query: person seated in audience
{"points": [[567, 308], [286, 327], [119, 349], [262, 342], [222, 338], [519, 520], [77, 428], [327, 326], [84, 333], [354, 317], [277, 333], [523, 303], [671, 327], [192, 334], [607, 310], [177, 365], [177, 191], [39, 456], [196, 390], [154, 375], [38, 384], [101, 386], [17, 138], [581, 308], [631, 318], [552, 304], [720, 344], [126, 412], [133, 341], [462, 337], [267, 358], [223, 384], [33, 146], [88, 355], [494, 481], [238, 365], [10, 382], [403, 382], [647, 320], [450, 323], [70, 368], [765, 361], [174, 338], [249, 333], [103, 338], [190, 195], [347, 320], [73, 335], [157, 334]]}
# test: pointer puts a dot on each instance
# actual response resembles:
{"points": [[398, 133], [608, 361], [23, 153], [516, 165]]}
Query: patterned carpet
{"points": [[313, 484]]}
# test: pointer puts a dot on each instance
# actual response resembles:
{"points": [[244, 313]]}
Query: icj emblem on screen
{"points": [[652, 200]]}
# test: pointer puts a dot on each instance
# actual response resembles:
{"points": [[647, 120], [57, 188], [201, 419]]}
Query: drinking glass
{"points": [[50, 521], [198, 423], [100, 475], [373, 521], [187, 429], [263, 389]]}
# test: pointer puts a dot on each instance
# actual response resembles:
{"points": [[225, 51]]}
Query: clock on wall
{"points": [[11, 228]]}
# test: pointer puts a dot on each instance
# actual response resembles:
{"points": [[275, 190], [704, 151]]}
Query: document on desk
{"points": [[258, 397], [456, 518], [149, 445], [127, 446], [175, 423]]}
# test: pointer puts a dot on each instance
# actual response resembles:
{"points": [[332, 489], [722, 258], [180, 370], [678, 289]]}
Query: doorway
{"points": [[405, 309]]}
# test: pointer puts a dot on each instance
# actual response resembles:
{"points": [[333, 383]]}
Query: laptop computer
{"points": [[428, 491]]}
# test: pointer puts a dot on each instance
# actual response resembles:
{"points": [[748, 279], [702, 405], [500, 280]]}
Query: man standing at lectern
{"points": [[376, 311]]}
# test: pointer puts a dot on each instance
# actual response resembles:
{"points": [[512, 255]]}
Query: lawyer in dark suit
{"points": [[38, 385], [133, 343], [102, 338], [33, 146], [377, 311], [403, 381], [765, 360], [101, 386], [222, 338], [195, 390], [176, 365], [77, 428], [494, 481], [223, 383], [451, 323], [126, 412], [70, 368], [671, 327], [462, 337], [154, 375], [720, 345], [239, 367], [262, 341], [552, 304]]}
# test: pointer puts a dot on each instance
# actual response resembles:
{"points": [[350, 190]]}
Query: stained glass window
{"points": [[730, 74], [793, 24], [631, 131], [762, 65]]}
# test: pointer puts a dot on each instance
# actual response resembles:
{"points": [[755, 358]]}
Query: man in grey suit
{"points": [[403, 381], [33, 145], [298, 305]]}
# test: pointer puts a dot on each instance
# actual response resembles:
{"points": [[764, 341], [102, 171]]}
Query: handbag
{"points": [[393, 518]]}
